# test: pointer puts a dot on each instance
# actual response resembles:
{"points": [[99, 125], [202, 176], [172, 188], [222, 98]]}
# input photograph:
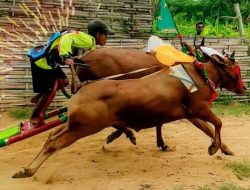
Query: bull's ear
{"points": [[203, 42], [232, 55], [218, 59]]}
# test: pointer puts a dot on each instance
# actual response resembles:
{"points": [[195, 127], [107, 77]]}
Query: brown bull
{"points": [[106, 62], [139, 104]]}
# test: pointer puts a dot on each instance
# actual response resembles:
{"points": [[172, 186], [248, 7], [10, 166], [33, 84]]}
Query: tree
{"points": [[221, 11], [239, 17]]}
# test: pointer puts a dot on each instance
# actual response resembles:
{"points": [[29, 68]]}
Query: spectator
{"points": [[199, 27]]}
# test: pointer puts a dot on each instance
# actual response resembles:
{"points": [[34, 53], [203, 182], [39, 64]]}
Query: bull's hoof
{"points": [[23, 174], [228, 152], [162, 145], [110, 138], [165, 148], [212, 149], [132, 139]]}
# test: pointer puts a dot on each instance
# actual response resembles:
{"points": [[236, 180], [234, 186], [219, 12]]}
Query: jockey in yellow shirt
{"points": [[46, 69]]}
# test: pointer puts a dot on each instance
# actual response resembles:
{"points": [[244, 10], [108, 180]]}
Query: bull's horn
{"points": [[232, 55], [223, 52]]}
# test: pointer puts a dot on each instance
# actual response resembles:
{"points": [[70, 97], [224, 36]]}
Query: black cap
{"points": [[96, 26]]}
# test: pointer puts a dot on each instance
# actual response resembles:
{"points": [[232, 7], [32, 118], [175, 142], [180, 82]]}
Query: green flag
{"points": [[165, 22]]}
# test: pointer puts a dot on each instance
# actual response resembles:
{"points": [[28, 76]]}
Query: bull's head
{"points": [[229, 71]]}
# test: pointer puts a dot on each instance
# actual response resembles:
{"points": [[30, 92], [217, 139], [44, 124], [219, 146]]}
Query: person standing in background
{"points": [[200, 33], [199, 28]]}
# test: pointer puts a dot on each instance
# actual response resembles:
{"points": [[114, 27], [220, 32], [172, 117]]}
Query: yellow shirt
{"points": [[75, 39], [65, 44]]}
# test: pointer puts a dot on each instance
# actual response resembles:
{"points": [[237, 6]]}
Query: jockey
{"points": [[62, 50]]}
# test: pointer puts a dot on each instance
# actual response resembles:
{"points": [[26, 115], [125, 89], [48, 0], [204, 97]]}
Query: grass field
{"points": [[235, 109]]}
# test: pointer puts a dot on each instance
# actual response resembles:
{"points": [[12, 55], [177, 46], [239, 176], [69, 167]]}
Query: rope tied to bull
{"points": [[201, 69]]}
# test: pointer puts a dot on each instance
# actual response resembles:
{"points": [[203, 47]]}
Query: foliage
{"points": [[212, 27], [241, 169], [218, 15], [207, 9]]}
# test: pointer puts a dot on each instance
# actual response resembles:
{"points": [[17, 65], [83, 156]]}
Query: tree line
{"points": [[218, 15]]}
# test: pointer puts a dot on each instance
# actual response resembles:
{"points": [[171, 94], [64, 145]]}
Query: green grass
{"points": [[241, 169], [235, 109], [19, 113], [225, 186], [229, 187]]}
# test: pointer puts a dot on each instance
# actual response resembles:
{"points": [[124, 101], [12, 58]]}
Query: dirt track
{"points": [[122, 166]]}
